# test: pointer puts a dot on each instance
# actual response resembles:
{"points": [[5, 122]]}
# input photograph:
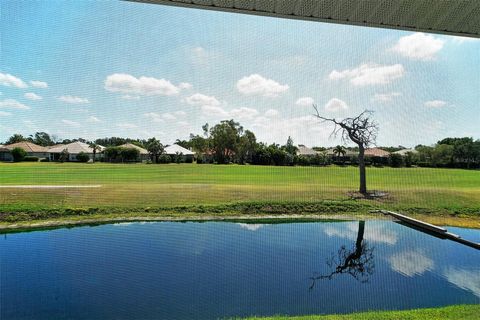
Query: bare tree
{"points": [[357, 261], [362, 130]]}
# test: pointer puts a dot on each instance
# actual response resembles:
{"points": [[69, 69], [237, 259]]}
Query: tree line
{"points": [[229, 142]]}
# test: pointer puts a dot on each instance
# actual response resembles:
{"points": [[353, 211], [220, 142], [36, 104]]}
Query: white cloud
{"points": [[128, 84], [271, 113], [130, 97], [435, 104], [155, 117], [169, 116], [4, 114], [301, 129], [335, 105], [419, 46], [255, 84], [126, 125], [185, 85], [93, 119], [73, 100], [203, 57], [39, 84], [199, 54], [373, 233], [411, 263], [9, 80], [369, 74], [13, 104], [305, 102], [199, 99], [71, 123], [183, 123], [214, 111], [180, 113], [385, 97], [32, 96], [243, 113], [464, 279]]}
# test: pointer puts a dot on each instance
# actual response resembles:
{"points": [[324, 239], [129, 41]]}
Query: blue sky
{"points": [[111, 68]]}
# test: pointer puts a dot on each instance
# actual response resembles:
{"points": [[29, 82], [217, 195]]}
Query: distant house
{"points": [[376, 153], [348, 153], [32, 150], [176, 150], [144, 154], [404, 152], [5, 154], [73, 150], [302, 150]]}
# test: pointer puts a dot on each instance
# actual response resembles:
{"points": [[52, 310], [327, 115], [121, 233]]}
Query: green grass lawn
{"points": [[134, 186], [464, 312]]}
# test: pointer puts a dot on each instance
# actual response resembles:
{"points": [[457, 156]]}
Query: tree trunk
{"points": [[361, 167], [361, 231]]}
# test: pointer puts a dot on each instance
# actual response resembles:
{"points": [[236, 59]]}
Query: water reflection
{"points": [[250, 226], [465, 279], [227, 270], [411, 262], [357, 261], [377, 233]]}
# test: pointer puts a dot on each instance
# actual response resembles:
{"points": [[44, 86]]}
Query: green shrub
{"points": [[164, 158], [83, 157], [64, 156], [302, 160], [396, 160], [129, 154], [45, 160], [18, 154], [31, 159]]}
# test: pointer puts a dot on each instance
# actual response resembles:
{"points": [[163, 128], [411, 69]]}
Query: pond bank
{"points": [[98, 219], [465, 312]]}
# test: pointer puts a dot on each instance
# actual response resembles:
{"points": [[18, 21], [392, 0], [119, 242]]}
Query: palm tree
{"points": [[155, 148], [95, 147], [339, 150]]}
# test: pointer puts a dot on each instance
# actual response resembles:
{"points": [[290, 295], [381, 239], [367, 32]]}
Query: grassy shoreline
{"points": [[38, 218], [190, 191], [464, 312]]}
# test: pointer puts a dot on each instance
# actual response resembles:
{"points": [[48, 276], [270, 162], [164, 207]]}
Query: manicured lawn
{"points": [[139, 186], [464, 312]]}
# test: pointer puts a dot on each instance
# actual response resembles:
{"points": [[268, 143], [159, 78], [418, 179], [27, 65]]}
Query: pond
{"points": [[171, 270]]}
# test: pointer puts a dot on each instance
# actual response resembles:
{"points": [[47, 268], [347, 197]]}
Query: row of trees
{"points": [[449, 152], [228, 142]]}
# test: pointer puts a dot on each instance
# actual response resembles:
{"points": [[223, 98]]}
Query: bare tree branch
{"points": [[362, 130]]}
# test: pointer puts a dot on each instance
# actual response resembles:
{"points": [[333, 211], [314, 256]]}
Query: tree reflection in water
{"points": [[357, 261]]}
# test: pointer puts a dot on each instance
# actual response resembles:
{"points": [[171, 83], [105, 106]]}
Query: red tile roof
{"points": [[376, 152], [27, 146]]}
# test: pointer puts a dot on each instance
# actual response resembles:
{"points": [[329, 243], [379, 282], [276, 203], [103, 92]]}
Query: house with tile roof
{"points": [[144, 154], [376, 152], [32, 150], [302, 150], [73, 150], [175, 150]]}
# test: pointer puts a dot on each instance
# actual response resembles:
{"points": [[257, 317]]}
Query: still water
{"points": [[168, 270]]}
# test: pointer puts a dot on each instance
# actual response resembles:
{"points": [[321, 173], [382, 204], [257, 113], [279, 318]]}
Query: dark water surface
{"points": [[168, 270]]}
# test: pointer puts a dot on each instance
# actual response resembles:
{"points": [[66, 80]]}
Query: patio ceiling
{"points": [[451, 17]]}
